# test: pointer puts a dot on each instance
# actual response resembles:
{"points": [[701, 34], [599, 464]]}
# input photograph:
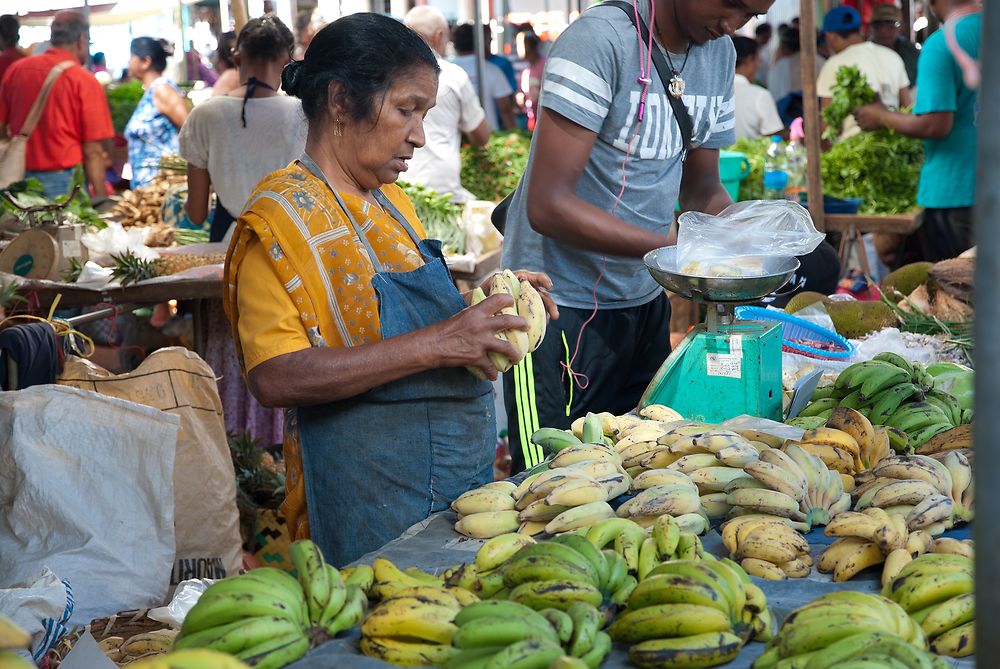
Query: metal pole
{"points": [[477, 41], [987, 533], [810, 104]]}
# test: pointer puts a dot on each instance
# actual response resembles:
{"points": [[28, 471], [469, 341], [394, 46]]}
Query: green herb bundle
{"points": [[882, 168], [850, 91], [493, 171], [28, 193], [441, 218]]}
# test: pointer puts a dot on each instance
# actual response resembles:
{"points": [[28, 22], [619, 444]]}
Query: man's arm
{"points": [[934, 125], [506, 107], [480, 135], [198, 182], [905, 98], [554, 210], [95, 164], [701, 188]]}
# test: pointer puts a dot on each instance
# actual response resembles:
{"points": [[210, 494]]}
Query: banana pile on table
{"points": [[143, 645], [692, 614], [892, 392], [269, 619], [767, 546], [933, 494], [848, 443], [833, 629], [665, 492], [870, 538], [937, 590]]}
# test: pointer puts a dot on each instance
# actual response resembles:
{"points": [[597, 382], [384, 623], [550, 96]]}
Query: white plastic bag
{"points": [[742, 237], [41, 605], [116, 240], [185, 597], [86, 489]]}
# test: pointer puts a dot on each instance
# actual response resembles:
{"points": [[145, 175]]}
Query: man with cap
{"points": [[886, 31], [882, 67]]}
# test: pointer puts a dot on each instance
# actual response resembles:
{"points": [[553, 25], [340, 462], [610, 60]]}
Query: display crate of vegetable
{"points": [[441, 218], [881, 168], [491, 172], [122, 101]]}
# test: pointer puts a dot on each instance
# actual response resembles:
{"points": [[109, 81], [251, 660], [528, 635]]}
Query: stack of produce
{"points": [[12, 640], [864, 650], [867, 539], [848, 443], [692, 614], [189, 659], [123, 651], [130, 268], [385, 580], [141, 206], [507, 634], [931, 494], [767, 546], [827, 631], [412, 627], [493, 171], [527, 304], [937, 591], [267, 618], [892, 392], [441, 218], [641, 550], [665, 492], [790, 483]]}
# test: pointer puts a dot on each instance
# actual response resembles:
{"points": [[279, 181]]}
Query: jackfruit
{"points": [[905, 280], [854, 319], [802, 300]]}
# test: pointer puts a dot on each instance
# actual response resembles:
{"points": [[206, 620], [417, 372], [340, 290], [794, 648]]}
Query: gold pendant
{"points": [[676, 87]]}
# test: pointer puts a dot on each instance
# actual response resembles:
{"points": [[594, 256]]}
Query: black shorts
{"points": [[619, 353], [943, 234]]}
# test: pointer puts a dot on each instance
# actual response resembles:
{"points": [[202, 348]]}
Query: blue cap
{"points": [[841, 19]]}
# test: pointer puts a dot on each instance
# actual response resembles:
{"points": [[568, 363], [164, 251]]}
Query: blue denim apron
{"points": [[377, 463]]}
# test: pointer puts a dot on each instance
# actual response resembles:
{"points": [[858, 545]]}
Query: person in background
{"points": [[763, 34], [155, 124], [944, 116], [886, 31], [229, 75], [531, 76], [784, 80], [231, 142], [307, 24], [496, 87], [756, 113], [99, 66], [882, 67], [75, 123], [438, 163], [500, 61], [9, 42], [345, 312]]}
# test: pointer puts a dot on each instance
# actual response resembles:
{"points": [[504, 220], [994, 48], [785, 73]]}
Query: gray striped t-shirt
{"points": [[591, 79]]}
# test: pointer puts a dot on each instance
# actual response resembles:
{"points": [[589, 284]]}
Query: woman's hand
{"points": [[467, 338], [539, 281]]}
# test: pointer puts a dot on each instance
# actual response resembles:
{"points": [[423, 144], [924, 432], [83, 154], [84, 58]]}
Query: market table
{"points": [[433, 545], [853, 227]]}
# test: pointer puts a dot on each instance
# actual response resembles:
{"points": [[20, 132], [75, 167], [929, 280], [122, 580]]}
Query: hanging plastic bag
{"points": [[741, 239]]}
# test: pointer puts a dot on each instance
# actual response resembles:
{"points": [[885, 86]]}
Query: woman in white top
{"points": [[233, 141]]}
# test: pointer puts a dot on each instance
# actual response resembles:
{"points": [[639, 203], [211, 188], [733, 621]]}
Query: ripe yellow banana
{"points": [[763, 569], [655, 477], [12, 636], [488, 524], [407, 653], [577, 492], [661, 413], [580, 516], [481, 500], [531, 308], [494, 552], [159, 641]]}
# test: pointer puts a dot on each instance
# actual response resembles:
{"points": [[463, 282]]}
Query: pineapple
{"points": [[131, 269], [174, 263]]}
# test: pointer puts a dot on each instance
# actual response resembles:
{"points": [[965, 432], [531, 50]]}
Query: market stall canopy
{"points": [[40, 12]]}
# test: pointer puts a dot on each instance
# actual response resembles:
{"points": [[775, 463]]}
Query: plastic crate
{"points": [[794, 330]]}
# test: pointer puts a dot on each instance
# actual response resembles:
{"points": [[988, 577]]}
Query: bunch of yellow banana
{"points": [[124, 652], [391, 581], [412, 628], [867, 539], [956, 439], [486, 511], [665, 492], [937, 590], [791, 483], [849, 443], [12, 640], [362, 576], [507, 634], [931, 494], [692, 614], [868, 650], [191, 659], [528, 305], [811, 633], [767, 546]]}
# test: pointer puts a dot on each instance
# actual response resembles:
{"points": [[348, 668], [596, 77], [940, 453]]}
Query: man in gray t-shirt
{"points": [[606, 169]]}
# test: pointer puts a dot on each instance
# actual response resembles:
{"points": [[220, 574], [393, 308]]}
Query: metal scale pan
{"points": [[662, 265]]}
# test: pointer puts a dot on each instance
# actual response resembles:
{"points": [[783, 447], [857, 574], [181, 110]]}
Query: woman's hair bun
{"points": [[291, 78]]}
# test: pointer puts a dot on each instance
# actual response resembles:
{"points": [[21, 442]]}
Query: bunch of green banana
{"points": [[501, 634], [893, 392], [12, 640], [362, 575], [932, 494], [412, 628], [810, 631], [871, 650], [692, 614], [484, 577], [528, 305], [866, 539], [937, 590], [556, 573], [260, 617], [790, 483], [186, 659], [333, 605], [767, 546]]}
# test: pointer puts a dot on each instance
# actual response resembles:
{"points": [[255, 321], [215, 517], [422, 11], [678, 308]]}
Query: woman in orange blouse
{"points": [[343, 309]]}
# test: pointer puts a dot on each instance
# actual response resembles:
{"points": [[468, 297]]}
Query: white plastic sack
{"points": [[185, 597], [41, 605], [742, 237], [86, 489], [116, 240]]}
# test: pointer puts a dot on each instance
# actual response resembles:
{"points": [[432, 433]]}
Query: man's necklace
{"points": [[677, 84]]}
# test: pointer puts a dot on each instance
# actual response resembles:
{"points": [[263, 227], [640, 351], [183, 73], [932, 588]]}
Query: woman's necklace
{"points": [[677, 84]]}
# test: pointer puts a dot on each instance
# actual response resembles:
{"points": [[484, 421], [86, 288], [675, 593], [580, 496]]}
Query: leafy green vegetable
{"points": [[122, 100], [755, 150], [493, 171], [441, 218], [28, 193], [850, 91], [882, 168]]}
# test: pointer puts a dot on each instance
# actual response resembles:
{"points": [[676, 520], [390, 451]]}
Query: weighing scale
{"points": [[724, 367]]}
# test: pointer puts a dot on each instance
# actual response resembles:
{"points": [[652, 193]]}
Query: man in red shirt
{"points": [[9, 27], [76, 120]]}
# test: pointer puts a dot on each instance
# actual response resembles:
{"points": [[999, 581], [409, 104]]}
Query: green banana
{"points": [[916, 415], [676, 589], [918, 437], [557, 594], [603, 532], [561, 623], [543, 568], [949, 614], [502, 609], [275, 652], [621, 595], [853, 400], [699, 572], [587, 622], [318, 583], [596, 655], [564, 552], [895, 359], [845, 649], [667, 533], [554, 440], [899, 441], [889, 400], [648, 557], [486, 632], [732, 574], [589, 551], [472, 658], [914, 594], [667, 621], [816, 407], [593, 429], [882, 381], [213, 610], [845, 380], [823, 392], [699, 650], [527, 654], [350, 614], [957, 642], [617, 570], [361, 575], [627, 544], [237, 636]]}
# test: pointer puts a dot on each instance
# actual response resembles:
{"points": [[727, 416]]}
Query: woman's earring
{"points": [[338, 128]]}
